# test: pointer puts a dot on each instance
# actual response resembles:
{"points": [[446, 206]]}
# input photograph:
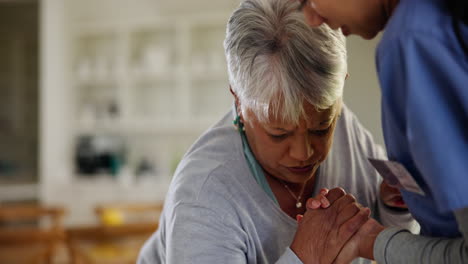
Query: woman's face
{"points": [[365, 18], [291, 152]]}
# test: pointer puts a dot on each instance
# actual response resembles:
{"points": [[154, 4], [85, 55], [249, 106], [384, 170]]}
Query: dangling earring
{"points": [[238, 124], [237, 121]]}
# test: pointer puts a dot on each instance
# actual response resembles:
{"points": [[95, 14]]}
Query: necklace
{"points": [[297, 198]]}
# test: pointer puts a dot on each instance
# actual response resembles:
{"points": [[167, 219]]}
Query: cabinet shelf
{"points": [[111, 181], [146, 127], [153, 78]]}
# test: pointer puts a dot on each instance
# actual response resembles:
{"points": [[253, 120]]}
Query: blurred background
{"points": [[99, 99]]}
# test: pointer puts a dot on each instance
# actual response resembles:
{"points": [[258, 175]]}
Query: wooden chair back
{"points": [[117, 238], [30, 233]]}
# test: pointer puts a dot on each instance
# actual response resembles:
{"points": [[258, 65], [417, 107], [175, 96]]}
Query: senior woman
{"points": [[238, 189]]}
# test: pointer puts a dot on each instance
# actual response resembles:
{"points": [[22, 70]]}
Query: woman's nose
{"points": [[301, 150]]}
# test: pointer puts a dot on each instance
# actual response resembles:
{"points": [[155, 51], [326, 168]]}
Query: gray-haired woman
{"points": [[237, 191]]}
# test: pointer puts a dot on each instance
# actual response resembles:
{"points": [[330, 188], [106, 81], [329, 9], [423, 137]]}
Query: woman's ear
{"points": [[233, 94], [347, 76], [236, 100]]}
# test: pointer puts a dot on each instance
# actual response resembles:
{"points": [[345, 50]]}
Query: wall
{"points": [[362, 92], [55, 121]]}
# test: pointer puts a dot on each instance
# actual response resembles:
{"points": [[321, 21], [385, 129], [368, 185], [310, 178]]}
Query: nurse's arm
{"points": [[396, 245]]}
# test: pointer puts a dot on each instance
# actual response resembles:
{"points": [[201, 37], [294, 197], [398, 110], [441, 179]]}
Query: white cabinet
{"points": [[149, 73], [167, 75], [156, 85]]}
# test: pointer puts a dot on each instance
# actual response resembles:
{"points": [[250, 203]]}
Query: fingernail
{"points": [[299, 218], [316, 204], [313, 204], [325, 203], [367, 210]]}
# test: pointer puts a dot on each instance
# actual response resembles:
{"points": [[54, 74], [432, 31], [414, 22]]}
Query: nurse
{"points": [[422, 65]]}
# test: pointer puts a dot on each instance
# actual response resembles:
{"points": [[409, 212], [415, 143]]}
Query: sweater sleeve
{"points": [[289, 257], [403, 219], [197, 234], [397, 245], [200, 235]]}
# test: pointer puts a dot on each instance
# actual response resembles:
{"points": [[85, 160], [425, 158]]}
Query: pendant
{"points": [[298, 205]]}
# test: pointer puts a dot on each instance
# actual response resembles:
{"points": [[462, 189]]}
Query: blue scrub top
{"points": [[423, 73]]}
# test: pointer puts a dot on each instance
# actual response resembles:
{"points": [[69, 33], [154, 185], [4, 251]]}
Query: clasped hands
{"points": [[335, 229]]}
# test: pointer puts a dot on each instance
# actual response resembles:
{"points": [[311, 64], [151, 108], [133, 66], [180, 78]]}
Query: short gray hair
{"points": [[276, 61]]}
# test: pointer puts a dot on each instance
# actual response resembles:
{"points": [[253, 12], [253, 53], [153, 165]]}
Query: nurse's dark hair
{"points": [[459, 12]]}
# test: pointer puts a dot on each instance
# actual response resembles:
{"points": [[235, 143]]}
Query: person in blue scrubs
{"points": [[422, 65]]}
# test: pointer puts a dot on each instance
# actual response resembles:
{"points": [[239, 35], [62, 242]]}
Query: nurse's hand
{"points": [[361, 244], [322, 233], [391, 196]]}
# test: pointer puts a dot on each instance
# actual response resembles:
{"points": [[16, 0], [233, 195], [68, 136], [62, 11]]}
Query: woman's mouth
{"points": [[301, 170]]}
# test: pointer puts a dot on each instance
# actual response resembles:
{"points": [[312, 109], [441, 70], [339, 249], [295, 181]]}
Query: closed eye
{"points": [[278, 137], [321, 132]]}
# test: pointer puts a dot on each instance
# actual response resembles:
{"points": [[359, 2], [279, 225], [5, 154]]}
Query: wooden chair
{"points": [[118, 237], [30, 234]]}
